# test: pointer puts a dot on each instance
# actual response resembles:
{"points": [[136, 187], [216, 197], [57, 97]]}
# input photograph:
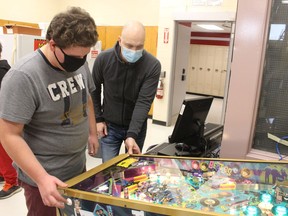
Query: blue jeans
{"points": [[111, 144]]}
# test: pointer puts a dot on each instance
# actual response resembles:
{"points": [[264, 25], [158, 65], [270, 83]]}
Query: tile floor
{"points": [[156, 134]]}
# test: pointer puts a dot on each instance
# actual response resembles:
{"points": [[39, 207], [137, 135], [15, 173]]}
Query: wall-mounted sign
{"points": [[38, 43], [94, 53], [166, 35]]}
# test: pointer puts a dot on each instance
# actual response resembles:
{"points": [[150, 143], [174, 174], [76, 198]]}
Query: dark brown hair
{"points": [[75, 27]]}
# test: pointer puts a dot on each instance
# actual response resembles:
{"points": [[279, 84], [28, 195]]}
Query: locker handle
{"points": [[200, 68], [208, 69], [193, 68], [216, 70]]}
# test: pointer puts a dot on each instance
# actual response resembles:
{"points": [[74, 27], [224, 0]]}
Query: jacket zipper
{"points": [[123, 94]]}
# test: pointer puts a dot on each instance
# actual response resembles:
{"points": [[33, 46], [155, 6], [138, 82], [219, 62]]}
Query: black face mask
{"points": [[71, 63]]}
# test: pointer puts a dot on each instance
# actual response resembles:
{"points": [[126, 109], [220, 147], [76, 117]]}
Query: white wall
{"points": [[105, 13], [29, 10], [108, 12], [117, 13]]}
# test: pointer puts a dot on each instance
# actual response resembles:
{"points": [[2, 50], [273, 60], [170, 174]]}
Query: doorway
{"points": [[208, 57]]}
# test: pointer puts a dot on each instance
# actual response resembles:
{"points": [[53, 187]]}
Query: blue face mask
{"points": [[131, 55]]}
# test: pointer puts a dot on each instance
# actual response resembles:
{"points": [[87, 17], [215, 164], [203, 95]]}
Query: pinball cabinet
{"points": [[143, 185]]}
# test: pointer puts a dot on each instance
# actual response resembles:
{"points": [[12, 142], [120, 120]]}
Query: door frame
{"points": [[228, 74]]}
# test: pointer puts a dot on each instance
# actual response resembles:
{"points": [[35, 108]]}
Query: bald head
{"points": [[133, 35]]}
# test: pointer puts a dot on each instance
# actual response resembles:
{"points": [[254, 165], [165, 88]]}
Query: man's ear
{"points": [[119, 39], [52, 45]]}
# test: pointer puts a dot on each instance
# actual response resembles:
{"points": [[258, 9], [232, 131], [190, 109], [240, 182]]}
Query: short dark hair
{"points": [[75, 27]]}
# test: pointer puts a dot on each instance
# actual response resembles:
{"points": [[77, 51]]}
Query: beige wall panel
{"points": [[151, 39], [210, 56], [102, 35], [112, 34]]}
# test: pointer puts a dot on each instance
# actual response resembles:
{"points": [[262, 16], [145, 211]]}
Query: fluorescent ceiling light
{"points": [[210, 27], [284, 1]]}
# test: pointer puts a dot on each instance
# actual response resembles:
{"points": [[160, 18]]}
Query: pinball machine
{"points": [[164, 185]]}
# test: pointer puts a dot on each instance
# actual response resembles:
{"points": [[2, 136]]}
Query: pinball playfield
{"points": [[154, 185]]}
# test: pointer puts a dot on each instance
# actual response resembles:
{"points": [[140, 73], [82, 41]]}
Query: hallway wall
{"points": [[109, 12]]}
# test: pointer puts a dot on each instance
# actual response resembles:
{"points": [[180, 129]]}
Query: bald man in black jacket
{"points": [[129, 76]]}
